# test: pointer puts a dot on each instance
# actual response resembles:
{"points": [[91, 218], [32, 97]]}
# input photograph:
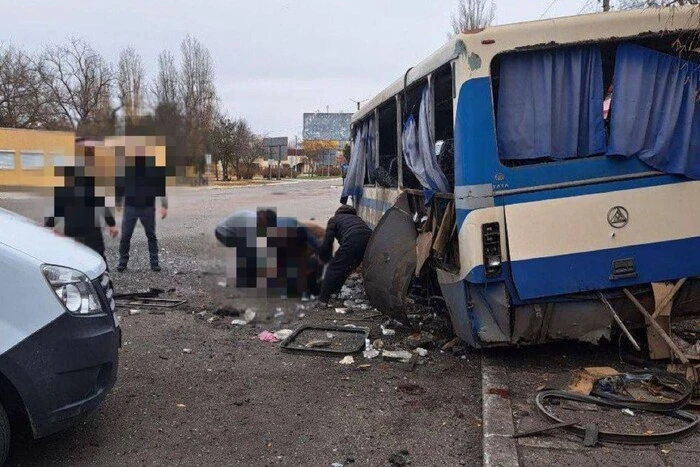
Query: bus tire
{"points": [[4, 436]]}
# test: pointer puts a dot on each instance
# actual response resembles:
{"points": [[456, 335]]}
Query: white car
{"points": [[59, 335]]}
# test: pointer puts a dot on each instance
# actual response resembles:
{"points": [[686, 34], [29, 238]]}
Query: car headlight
{"points": [[73, 289]]}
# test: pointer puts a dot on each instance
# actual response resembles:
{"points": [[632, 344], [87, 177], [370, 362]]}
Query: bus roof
{"points": [[478, 48]]}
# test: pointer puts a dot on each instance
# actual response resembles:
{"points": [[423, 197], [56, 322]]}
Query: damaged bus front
{"points": [[564, 175]]}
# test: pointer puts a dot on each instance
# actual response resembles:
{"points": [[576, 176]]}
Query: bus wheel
{"points": [[4, 435]]}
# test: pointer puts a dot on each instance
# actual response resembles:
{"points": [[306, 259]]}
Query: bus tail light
{"points": [[491, 240]]}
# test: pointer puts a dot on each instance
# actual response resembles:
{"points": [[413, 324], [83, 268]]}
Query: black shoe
{"points": [[155, 268], [121, 268]]}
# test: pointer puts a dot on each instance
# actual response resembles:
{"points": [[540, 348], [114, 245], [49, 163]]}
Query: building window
{"points": [[7, 160], [32, 160]]}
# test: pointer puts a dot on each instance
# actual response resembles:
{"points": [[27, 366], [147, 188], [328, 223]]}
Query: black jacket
{"points": [[141, 185], [345, 226], [79, 207]]}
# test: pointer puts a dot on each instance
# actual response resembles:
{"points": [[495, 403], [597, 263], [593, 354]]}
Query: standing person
{"points": [[141, 184], [81, 209], [353, 234]]}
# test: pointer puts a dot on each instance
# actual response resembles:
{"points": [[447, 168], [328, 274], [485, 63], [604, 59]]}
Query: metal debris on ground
{"points": [[153, 302], [150, 293], [342, 339], [239, 322], [347, 360], [637, 393]]}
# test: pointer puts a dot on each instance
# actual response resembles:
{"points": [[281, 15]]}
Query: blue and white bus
{"points": [[532, 169]]}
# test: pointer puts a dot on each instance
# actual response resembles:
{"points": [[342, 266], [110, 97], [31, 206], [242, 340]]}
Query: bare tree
{"points": [[249, 159], [130, 78], [632, 4], [166, 85], [473, 15], [24, 100], [77, 78], [198, 94]]}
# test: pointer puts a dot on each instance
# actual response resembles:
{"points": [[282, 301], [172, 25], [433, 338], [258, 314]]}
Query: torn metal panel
{"points": [[585, 320], [491, 312], [390, 261]]}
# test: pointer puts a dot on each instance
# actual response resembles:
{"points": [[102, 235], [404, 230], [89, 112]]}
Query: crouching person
{"points": [[352, 234]]}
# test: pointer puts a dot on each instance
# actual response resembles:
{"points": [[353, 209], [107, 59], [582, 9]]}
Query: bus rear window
{"points": [[555, 104]]}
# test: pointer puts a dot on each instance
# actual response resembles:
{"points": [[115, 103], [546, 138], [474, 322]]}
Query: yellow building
{"points": [[28, 157]]}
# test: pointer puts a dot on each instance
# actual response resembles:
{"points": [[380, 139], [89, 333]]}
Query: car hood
{"points": [[25, 236]]}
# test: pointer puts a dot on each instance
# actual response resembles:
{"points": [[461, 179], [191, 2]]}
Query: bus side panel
{"points": [[604, 240]]}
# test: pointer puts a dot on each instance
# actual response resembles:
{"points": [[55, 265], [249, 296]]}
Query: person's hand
{"points": [[163, 213], [113, 231]]}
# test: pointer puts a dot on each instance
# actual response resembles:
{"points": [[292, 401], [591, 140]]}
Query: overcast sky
{"points": [[275, 59]]}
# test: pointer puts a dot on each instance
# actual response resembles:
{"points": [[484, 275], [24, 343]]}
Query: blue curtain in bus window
{"points": [[419, 150], [355, 176], [550, 104], [369, 149], [655, 113]]}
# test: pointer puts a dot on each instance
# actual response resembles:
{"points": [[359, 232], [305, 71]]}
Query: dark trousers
{"points": [[346, 259], [147, 216], [91, 238]]}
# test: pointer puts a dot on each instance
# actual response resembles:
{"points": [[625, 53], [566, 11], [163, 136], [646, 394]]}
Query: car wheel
{"points": [[4, 435]]}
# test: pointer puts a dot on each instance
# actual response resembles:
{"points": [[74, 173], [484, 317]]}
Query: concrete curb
{"points": [[499, 448]]}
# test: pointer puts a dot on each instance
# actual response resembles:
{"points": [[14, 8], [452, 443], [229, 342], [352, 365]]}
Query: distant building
{"points": [[28, 157], [330, 131]]}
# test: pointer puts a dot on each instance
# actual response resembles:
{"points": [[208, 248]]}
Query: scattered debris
{"points": [[153, 303], [182, 406], [341, 311], [134, 312], [343, 340], [227, 311], [378, 344], [221, 283], [403, 356], [370, 354], [419, 339], [387, 332], [628, 412], [249, 315], [239, 322], [347, 360], [282, 334], [186, 351], [267, 336], [279, 314], [150, 293], [421, 351]]}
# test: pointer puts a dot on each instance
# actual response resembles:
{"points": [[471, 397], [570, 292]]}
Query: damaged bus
{"points": [[541, 173]]}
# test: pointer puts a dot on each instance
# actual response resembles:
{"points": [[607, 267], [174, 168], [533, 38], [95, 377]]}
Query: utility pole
{"points": [[606, 5]]}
